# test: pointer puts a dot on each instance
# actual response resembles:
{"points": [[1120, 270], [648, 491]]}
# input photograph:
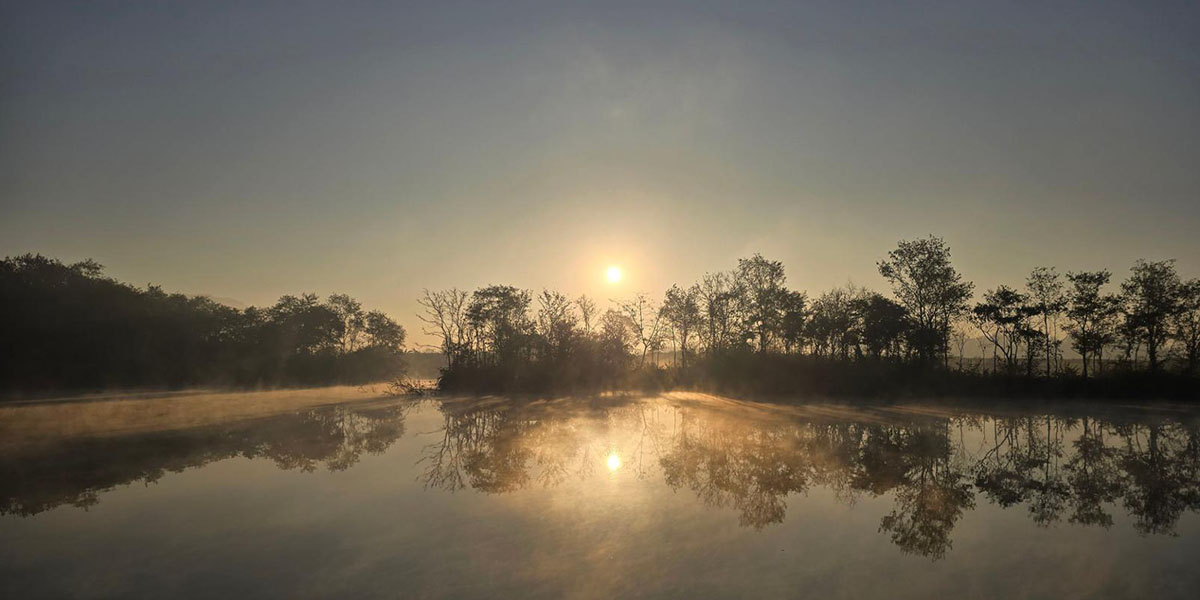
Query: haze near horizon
{"points": [[248, 151]]}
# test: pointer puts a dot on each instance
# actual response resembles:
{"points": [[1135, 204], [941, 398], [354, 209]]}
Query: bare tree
{"points": [[445, 316], [646, 321], [587, 313], [959, 337]]}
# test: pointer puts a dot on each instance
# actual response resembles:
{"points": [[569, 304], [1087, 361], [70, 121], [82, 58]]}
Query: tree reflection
{"points": [[1024, 466], [1093, 476], [932, 467], [737, 464], [334, 437], [930, 497], [498, 450], [1055, 467], [1160, 461]]}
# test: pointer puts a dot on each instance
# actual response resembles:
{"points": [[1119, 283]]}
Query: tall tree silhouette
{"points": [[930, 288], [1091, 314], [1187, 324], [763, 293], [1152, 295], [1045, 289], [681, 309]]}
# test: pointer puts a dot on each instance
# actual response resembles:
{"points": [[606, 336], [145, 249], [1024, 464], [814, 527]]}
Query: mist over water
{"points": [[345, 492], [672, 299]]}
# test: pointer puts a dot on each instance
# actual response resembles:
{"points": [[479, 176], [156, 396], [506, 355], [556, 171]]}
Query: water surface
{"points": [[342, 492]]}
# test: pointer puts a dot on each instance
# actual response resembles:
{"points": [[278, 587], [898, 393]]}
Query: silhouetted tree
{"points": [[925, 282], [795, 320], [1152, 296], [587, 313], [305, 325], [647, 324], [383, 332], [761, 283], [70, 327], [832, 324], [1003, 319], [351, 313], [681, 310], [1090, 314], [445, 315], [1045, 289], [883, 324], [499, 314], [556, 324], [719, 303], [616, 339], [1186, 325]]}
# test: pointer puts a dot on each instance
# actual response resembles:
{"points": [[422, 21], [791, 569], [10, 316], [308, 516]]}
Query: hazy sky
{"points": [[251, 149]]}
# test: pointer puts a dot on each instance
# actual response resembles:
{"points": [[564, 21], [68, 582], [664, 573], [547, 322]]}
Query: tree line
{"points": [[69, 327], [746, 323]]}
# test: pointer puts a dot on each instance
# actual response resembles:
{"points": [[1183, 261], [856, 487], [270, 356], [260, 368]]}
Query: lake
{"points": [[348, 492]]}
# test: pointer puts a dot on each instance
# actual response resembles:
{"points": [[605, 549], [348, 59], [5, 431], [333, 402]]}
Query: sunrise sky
{"points": [[247, 150]]}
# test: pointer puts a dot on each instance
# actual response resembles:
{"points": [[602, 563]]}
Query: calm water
{"points": [[338, 493]]}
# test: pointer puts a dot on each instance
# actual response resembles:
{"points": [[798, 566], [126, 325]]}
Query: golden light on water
{"points": [[613, 274], [613, 462]]}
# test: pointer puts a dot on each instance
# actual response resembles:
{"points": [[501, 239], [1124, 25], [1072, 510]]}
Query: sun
{"points": [[613, 462], [613, 274]]}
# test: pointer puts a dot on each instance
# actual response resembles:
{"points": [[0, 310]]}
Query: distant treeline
{"points": [[745, 330], [68, 327]]}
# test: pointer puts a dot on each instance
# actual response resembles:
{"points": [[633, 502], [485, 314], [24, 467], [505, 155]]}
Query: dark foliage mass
{"points": [[68, 327], [744, 330]]}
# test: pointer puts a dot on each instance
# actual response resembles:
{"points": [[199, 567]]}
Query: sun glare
{"points": [[613, 274], [613, 461]]}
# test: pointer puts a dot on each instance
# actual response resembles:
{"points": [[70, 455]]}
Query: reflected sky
{"points": [[682, 495]]}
